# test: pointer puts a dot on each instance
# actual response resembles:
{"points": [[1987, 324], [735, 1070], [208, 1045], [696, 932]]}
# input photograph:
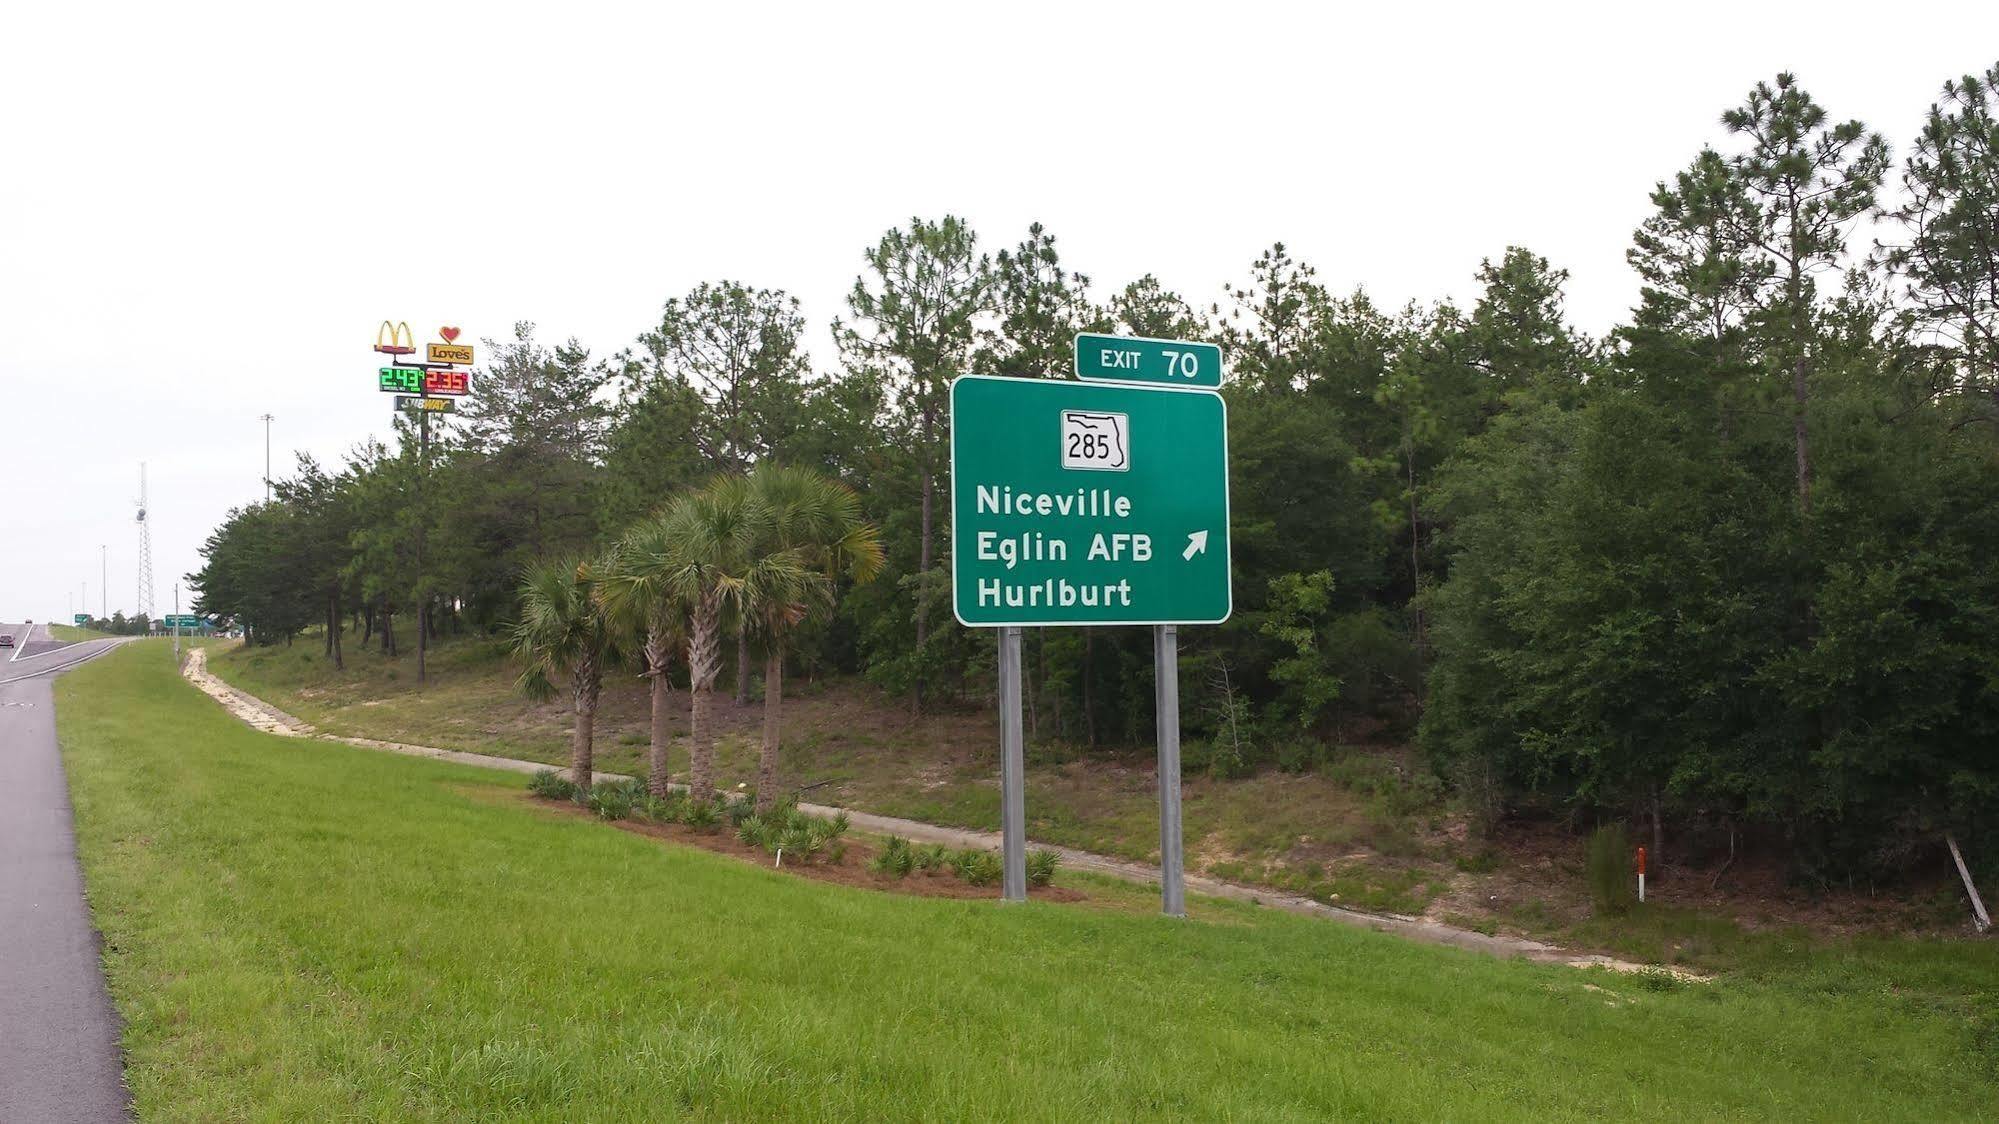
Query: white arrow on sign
{"points": [[1197, 543]]}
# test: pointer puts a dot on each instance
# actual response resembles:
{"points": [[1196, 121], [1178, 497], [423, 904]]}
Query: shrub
{"points": [[1301, 755], [1612, 882], [824, 831], [552, 785], [979, 868], [701, 814], [1657, 979], [1041, 867], [893, 860], [932, 857], [657, 810], [786, 831], [610, 802], [799, 840]]}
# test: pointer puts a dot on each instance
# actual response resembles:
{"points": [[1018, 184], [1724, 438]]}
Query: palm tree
{"points": [[703, 557], [563, 631], [639, 596], [810, 528]]}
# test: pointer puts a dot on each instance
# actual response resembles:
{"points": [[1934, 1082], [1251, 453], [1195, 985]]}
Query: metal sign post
{"points": [[428, 381], [1166, 687], [1013, 772], [1093, 503]]}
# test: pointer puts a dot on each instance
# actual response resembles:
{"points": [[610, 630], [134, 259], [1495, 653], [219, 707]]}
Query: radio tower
{"points": [[145, 551]]}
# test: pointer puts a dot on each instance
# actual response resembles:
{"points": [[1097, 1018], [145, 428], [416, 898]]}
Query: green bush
{"points": [[552, 785], [1613, 886], [656, 810], [701, 814], [785, 831], [934, 856], [976, 867], [1041, 867], [1301, 755], [894, 860], [610, 802]]}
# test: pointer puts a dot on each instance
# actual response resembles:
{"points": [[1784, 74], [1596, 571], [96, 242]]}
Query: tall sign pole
{"points": [[1093, 503], [267, 419], [436, 382], [1166, 706], [1013, 771]]}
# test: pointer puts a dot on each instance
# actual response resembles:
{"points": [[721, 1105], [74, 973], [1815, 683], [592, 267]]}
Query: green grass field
{"points": [[303, 931], [1358, 835]]}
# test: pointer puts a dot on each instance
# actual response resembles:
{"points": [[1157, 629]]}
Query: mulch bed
{"points": [[851, 870]]}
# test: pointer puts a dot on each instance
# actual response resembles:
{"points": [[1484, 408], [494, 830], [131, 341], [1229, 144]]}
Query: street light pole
{"points": [[176, 622], [103, 585], [267, 419]]}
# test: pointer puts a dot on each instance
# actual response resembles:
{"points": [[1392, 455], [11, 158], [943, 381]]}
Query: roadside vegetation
{"points": [[298, 930], [1720, 575], [72, 633], [1368, 828]]}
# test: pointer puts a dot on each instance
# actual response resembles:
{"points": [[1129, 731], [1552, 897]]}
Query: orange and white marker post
{"points": [[1641, 875]]}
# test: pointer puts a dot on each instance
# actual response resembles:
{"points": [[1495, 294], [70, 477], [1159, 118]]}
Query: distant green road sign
{"points": [[1077, 503], [81, 618], [182, 621], [1137, 359]]}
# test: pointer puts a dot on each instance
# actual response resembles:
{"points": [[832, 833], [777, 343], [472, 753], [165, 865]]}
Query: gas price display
{"points": [[444, 382], [402, 380]]}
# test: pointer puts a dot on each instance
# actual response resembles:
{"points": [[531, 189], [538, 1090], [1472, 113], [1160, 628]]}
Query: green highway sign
{"points": [[1137, 359], [81, 618], [183, 621], [1081, 503]]}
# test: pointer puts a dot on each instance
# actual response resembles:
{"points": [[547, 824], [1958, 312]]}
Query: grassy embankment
{"points": [[1366, 829], [72, 633], [1360, 832], [299, 930]]}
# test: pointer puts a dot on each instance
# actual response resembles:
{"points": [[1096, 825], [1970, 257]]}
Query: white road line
{"points": [[84, 658], [21, 643]]}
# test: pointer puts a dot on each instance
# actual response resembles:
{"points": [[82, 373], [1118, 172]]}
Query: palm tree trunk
{"points": [[656, 655], [773, 701], [743, 664], [703, 661], [584, 689]]}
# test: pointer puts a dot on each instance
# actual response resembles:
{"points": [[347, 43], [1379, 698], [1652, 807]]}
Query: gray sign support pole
{"points": [[1013, 772], [1166, 681]]}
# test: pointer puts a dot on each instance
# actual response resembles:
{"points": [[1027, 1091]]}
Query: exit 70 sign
{"points": [[1181, 363]]}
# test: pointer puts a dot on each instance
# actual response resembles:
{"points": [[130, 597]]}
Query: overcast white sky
{"points": [[205, 212]]}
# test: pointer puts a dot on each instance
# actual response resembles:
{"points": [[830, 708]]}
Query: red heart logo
{"points": [[450, 334]]}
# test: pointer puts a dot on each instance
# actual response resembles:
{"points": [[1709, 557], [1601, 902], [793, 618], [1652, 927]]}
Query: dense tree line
{"points": [[1723, 571], [118, 624]]}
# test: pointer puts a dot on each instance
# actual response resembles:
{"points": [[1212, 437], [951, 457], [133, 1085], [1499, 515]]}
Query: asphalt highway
{"points": [[59, 1056]]}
